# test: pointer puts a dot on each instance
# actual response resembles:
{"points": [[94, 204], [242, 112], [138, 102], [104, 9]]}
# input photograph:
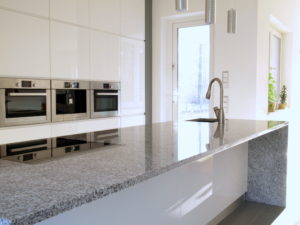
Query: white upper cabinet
{"points": [[132, 77], [73, 11], [24, 44], [105, 15], [38, 7], [105, 56], [70, 55], [133, 18]]}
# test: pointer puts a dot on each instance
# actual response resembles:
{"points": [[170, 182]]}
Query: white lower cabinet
{"points": [[70, 52], [24, 44], [105, 56], [192, 194], [132, 77]]}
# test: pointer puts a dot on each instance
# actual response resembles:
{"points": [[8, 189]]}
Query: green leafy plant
{"points": [[272, 94], [283, 95]]}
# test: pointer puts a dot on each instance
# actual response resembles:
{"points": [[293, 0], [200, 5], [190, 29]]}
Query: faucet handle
{"points": [[217, 112]]}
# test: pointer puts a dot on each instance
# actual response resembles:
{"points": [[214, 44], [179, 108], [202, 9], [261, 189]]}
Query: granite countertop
{"points": [[31, 193]]}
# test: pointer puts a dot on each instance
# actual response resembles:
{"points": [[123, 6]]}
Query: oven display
{"points": [[26, 84]]}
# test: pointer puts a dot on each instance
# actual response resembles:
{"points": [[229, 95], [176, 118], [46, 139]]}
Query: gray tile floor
{"points": [[250, 213]]}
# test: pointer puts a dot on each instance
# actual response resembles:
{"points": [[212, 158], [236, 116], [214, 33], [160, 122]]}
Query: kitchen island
{"points": [[166, 173]]}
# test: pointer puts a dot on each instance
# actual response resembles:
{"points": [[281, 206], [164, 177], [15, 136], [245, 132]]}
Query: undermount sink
{"points": [[207, 120]]}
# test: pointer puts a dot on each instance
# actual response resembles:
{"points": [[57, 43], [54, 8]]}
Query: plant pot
{"points": [[282, 106], [272, 107]]}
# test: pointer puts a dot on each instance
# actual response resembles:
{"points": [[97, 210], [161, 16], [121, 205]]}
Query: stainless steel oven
{"points": [[105, 99], [70, 100], [28, 151], [24, 101], [72, 143]]}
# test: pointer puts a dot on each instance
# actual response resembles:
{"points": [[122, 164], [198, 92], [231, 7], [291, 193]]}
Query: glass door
{"points": [[191, 70]]}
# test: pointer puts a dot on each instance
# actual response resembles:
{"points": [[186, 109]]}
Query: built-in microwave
{"points": [[105, 99], [24, 101], [70, 100]]}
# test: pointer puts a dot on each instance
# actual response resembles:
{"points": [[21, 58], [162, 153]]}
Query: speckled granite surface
{"points": [[267, 168], [32, 193]]}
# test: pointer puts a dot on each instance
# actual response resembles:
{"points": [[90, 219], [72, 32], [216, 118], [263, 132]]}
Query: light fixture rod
{"points": [[231, 21], [181, 5], [210, 11]]}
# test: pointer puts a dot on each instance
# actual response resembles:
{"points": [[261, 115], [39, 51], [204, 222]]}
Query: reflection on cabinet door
{"points": [[69, 52], [105, 15], [132, 77], [133, 18], [37, 7], [24, 44], [105, 57], [74, 11]]}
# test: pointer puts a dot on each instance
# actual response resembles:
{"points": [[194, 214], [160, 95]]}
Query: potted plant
{"points": [[283, 96], [272, 95]]}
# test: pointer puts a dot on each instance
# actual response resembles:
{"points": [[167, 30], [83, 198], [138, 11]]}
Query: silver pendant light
{"points": [[181, 5], [231, 21], [210, 11]]}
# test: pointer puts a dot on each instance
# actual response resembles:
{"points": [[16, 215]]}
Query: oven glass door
{"points": [[71, 101], [105, 102], [25, 103]]}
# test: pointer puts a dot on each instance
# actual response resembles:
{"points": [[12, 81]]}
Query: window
{"points": [[276, 43]]}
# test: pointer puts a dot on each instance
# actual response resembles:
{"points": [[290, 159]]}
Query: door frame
{"points": [[175, 26]]}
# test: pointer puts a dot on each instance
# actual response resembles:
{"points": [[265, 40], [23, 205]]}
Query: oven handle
{"points": [[108, 94], [27, 94]]}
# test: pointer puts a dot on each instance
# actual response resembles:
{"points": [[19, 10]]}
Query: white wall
{"points": [[233, 53], [244, 54], [287, 13]]}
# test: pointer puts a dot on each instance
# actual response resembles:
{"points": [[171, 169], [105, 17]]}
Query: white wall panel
{"points": [[73, 11], [133, 18], [38, 7], [105, 15], [105, 56], [24, 44], [132, 77], [70, 52]]}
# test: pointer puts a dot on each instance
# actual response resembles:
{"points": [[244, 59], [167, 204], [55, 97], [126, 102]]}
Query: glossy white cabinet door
{"points": [[38, 7], [69, 52], [133, 18], [132, 77], [105, 15], [24, 44], [105, 56], [73, 11]]}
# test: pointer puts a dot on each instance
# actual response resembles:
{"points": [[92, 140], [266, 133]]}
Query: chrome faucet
{"points": [[218, 111]]}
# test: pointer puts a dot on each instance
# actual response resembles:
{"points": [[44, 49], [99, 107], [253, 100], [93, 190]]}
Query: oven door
{"points": [[70, 104], [105, 104], [24, 106]]}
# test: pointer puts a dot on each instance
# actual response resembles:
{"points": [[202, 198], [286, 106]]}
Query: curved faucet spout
{"points": [[218, 111]]}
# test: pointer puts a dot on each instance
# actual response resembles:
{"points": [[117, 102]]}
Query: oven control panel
{"points": [[25, 84], [71, 84]]}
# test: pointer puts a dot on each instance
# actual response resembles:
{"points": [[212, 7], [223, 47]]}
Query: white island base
{"points": [[192, 194]]}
